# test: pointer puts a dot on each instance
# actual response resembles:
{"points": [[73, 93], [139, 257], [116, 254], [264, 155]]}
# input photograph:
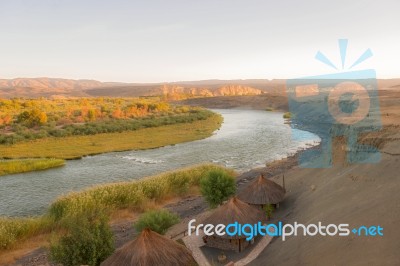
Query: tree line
{"points": [[29, 119]]}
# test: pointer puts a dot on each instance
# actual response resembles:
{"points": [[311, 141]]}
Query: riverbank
{"points": [[267, 139], [32, 252], [269, 102], [185, 206], [15, 166], [75, 147], [133, 197]]}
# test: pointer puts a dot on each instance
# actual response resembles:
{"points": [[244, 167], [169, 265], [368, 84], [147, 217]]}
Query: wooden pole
{"points": [[283, 182]]}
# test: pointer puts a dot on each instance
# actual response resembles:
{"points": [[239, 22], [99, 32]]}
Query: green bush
{"points": [[268, 209], [287, 115], [157, 220], [88, 241], [217, 186]]}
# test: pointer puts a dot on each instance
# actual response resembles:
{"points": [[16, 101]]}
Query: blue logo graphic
{"points": [[339, 104]]}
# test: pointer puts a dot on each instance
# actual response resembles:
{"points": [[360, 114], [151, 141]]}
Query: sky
{"points": [[176, 40]]}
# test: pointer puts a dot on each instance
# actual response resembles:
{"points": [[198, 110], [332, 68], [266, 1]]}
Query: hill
{"points": [[56, 87]]}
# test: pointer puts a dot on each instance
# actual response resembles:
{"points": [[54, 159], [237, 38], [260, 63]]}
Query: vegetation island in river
{"points": [[74, 127]]}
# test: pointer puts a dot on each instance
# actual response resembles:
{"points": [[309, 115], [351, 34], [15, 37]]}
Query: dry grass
{"points": [[78, 146], [13, 230], [137, 196], [118, 199], [8, 257], [27, 165]]}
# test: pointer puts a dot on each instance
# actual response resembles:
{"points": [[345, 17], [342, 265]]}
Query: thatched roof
{"points": [[262, 191], [233, 211], [149, 249]]}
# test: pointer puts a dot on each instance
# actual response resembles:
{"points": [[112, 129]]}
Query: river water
{"points": [[247, 139]]}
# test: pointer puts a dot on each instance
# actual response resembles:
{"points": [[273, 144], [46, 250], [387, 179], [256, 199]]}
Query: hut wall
{"points": [[244, 244], [227, 244], [222, 243], [258, 206], [261, 206]]}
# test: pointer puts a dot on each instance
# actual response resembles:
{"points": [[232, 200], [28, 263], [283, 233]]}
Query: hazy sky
{"points": [[170, 40]]}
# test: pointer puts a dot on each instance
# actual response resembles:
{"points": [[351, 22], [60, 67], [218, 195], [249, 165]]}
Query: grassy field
{"points": [[77, 146], [28, 165], [13, 230], [136, 196]]}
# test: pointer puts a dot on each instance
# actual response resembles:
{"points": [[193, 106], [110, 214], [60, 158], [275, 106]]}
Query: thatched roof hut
{"points": [[149, 249], [262, 191], [233, 211]]}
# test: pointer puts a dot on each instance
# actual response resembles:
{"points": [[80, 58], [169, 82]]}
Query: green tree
{"points": [[88, 241], [217, 187], [157, 220]]}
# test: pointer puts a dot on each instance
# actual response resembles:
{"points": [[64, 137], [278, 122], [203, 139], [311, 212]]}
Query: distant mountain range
{"points": [[52, 87], [57, 87]]}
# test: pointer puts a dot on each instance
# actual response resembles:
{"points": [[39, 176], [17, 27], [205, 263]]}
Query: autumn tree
{"points": [[92, 114], [32, 118]]}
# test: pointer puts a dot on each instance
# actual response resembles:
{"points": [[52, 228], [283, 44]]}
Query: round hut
{"points": [[149, 249], [261, 192], [234, 210]]}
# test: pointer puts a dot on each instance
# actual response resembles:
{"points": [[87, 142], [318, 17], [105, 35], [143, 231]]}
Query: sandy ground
{"points": [[357, 194]]}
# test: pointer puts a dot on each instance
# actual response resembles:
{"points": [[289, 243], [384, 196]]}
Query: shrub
{"points": [[217, 186], [287, 115], [156, 220], [88, 241], [268, 209]]}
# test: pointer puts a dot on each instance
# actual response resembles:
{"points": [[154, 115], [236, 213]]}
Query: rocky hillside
{"points": [[227, 90], [52, 87], [49, 83], [46, 87]]}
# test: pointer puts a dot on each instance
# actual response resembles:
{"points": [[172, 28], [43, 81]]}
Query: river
{"points": [[247, 139]]}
